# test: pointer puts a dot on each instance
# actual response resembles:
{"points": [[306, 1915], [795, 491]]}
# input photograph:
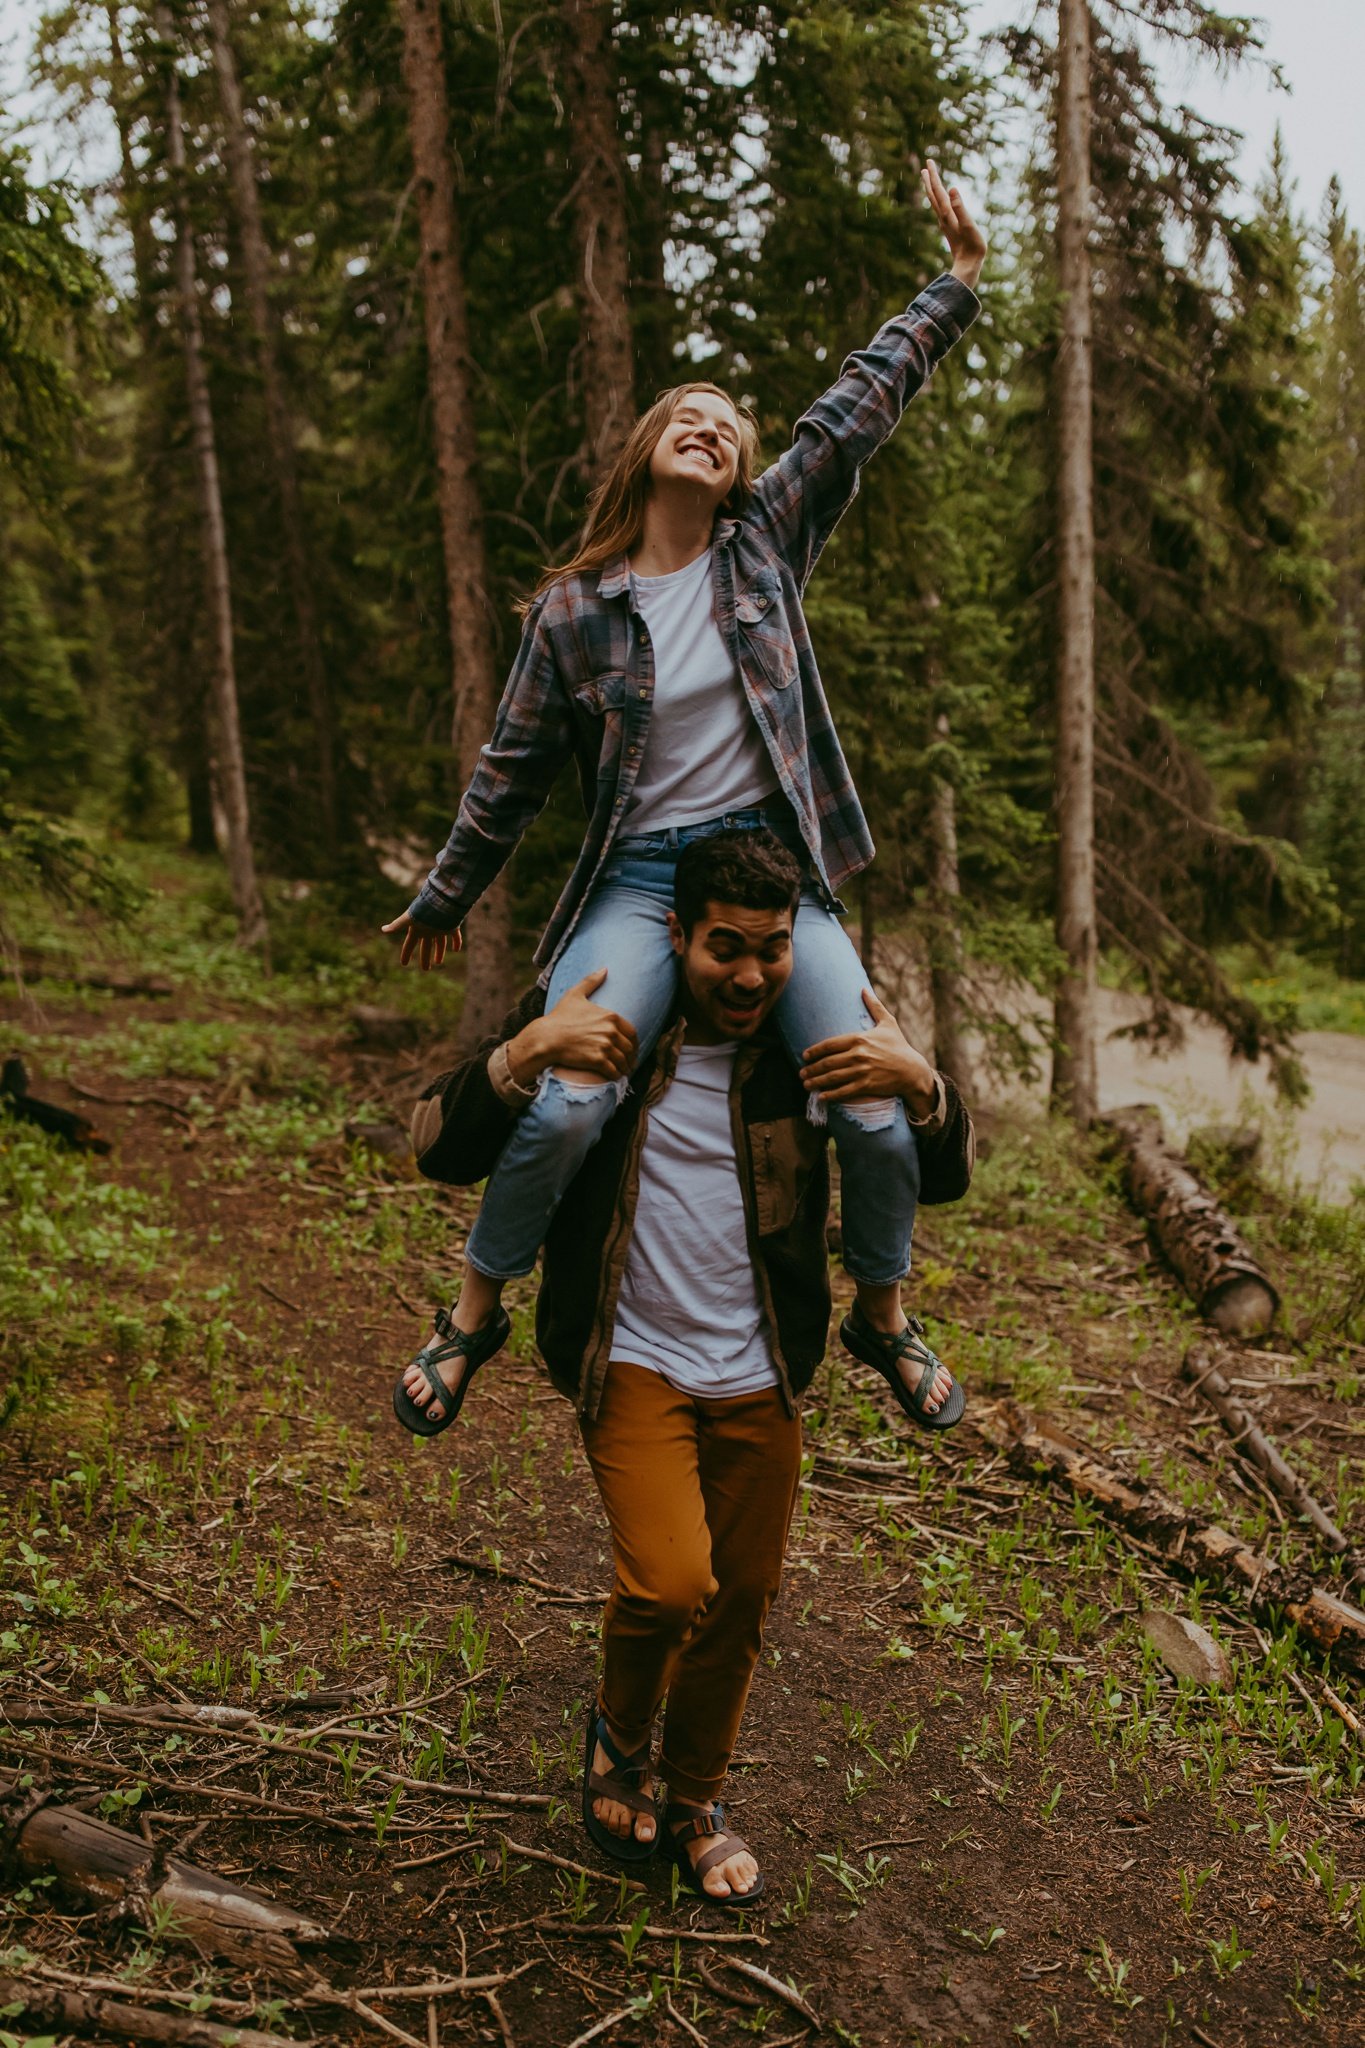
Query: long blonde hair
{"points": [[616, 509]]}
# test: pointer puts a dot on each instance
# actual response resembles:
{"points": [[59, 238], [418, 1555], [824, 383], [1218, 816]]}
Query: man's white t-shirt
{"points": [[705, 754], [689, 1306]]}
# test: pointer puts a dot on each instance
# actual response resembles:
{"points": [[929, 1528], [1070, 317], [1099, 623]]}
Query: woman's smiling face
{"points": [[699, 446]]}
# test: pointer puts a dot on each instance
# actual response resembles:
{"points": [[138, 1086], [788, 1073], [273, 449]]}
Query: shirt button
{"points": [[644, 693]]}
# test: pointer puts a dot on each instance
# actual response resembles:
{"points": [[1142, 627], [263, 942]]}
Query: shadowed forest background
{"points": [[300, 388]]}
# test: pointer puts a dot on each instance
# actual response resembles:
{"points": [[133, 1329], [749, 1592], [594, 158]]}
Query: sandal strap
{"points": [[624, 1760], [695, 1829], [606, 1785], [729, 1845], [910, 1343]]}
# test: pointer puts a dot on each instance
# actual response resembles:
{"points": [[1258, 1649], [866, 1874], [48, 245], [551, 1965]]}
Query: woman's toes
{"points": [[644, 1828]]}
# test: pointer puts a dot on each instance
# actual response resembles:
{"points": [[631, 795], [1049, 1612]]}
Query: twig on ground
{"points": [[163, 1593], [1250, 1439], [481, 1569], [1342, 1711], [612, 1930], [435, 1987], [423, 1315], [275, 1295], [774, 1985], [727, 1991], [623, 2012], [566, 1863], [494, 2004], [693, 2033], [72, 2012], [186, 1787], [353, 2003], [441, 1855]]}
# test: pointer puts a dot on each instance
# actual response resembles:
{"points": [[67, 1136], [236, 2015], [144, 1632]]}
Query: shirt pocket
{"points": [[783, 1153], [765, 631], [599, 704]]}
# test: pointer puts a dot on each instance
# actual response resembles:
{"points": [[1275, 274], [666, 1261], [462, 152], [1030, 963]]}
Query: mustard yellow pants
{"points": [[699, 1494]]}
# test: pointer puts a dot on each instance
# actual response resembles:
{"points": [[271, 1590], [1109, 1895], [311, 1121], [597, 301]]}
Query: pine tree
{"points": [[1335, 823], [241, 859], [488, 984], [1203, 563]]}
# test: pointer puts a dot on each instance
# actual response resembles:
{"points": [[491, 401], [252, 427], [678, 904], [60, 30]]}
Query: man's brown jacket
{"points": [[461, 1124]]}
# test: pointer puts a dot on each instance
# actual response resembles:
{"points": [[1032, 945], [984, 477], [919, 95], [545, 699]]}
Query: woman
{"points": [[670, 658]]}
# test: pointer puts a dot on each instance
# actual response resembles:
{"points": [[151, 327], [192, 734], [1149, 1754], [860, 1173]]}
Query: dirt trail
{"points": [[976, 1806]]}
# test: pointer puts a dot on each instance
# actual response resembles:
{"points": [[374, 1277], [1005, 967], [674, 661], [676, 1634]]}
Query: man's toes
{"points": [[644, 1828], [714, 1883]]}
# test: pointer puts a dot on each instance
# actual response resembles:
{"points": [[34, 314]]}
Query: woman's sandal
{"points": [[685, 1824], [614, 1784], [884, 1354], [448, 1343]]}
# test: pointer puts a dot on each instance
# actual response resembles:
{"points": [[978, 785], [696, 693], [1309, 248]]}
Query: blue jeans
{"points": [[624, 929]]}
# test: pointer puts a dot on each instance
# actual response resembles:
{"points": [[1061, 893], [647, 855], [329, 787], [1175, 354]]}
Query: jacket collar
{"points": [[614, 580]]}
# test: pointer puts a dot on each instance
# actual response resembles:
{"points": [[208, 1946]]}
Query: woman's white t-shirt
{"points": [[689, 1306], [704, 754]]}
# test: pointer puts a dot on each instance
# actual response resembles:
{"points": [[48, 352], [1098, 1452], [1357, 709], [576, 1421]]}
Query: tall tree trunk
{"points": [[241, 860], [256, 264], [945, 969], [649, 279], [600, 234], [446, 314], [1074, 1078], [189, 691]]}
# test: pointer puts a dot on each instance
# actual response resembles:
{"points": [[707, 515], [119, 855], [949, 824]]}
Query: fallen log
{"points": [[84, 2012], [1215, 1265], [1033, 1446], [1247, 1435], [107, 1866]]}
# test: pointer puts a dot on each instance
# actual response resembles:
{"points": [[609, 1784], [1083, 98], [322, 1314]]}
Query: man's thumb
{"points": [[592, 982], [876, 1009]]}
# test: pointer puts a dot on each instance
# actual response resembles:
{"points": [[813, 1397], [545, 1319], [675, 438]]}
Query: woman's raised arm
{"points": [[802, 497]]}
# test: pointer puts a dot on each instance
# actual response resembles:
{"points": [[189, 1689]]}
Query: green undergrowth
{"points": [[1308, 992], [176, 1427]]}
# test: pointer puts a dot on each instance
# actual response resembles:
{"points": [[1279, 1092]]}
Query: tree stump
{"points": [[1214, 1263]]}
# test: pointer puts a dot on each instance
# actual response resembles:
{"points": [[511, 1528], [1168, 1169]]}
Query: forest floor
{"points": [[986, 1812]]}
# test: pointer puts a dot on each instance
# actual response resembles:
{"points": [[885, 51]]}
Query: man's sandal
{"points": [[448, 1343], [685, 1824], [624, 1783], [884, 1355]]}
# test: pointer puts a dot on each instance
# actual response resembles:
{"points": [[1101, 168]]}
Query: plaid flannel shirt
{"points": [[582, 685]]}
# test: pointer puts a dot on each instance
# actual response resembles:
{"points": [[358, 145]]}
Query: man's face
{"points": [[699, 446], [735, 965]]}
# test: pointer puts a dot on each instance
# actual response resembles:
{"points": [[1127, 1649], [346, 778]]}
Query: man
{"points": [[684, 1308]]}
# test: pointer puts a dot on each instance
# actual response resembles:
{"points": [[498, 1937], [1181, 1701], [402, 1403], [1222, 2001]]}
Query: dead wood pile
{"points": [[1035, 1447]]}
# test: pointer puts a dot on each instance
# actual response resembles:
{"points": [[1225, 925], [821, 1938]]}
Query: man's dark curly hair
{"points": [[752, 869]]}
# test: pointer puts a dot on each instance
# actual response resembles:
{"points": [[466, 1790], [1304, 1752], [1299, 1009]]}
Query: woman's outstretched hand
{"points": [[430, 946], [964, 238]]}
